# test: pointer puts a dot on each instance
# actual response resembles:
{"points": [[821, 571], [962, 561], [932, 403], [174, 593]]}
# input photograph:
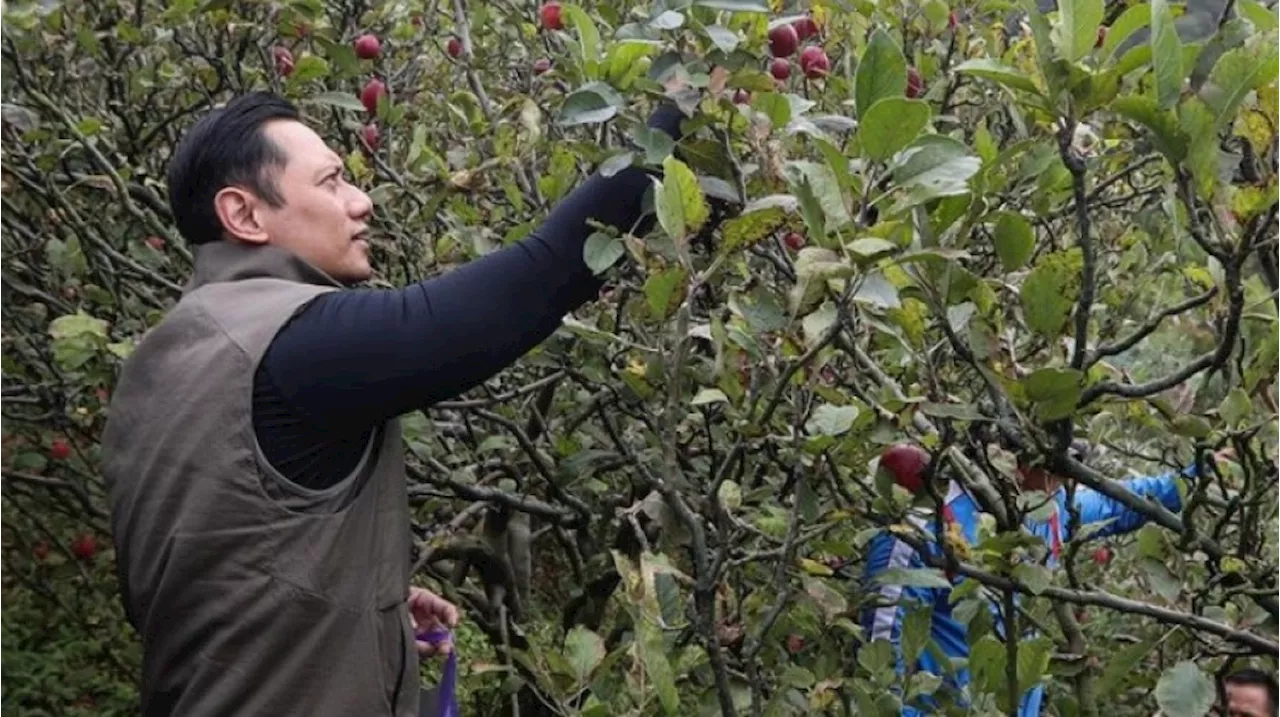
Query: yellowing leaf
{"points": [[682, 208], [813, 567]]}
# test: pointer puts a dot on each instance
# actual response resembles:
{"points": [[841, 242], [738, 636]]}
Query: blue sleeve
{"points": [[352, 359], [882, 618], [1094, 507]]}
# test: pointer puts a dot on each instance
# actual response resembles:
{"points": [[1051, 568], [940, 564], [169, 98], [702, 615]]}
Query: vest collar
{"points": [[227, 260]]}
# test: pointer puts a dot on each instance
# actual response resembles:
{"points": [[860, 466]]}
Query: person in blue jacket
{"points": [[883, 618]]}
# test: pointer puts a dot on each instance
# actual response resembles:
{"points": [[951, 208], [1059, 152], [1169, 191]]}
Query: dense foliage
{"points": [[962, 225]]}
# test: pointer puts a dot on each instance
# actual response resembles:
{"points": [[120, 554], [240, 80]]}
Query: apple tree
{"points": [[971, 226]]}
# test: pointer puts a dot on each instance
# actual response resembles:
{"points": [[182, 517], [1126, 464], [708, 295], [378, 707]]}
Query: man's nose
{"points": [[360, 205]]}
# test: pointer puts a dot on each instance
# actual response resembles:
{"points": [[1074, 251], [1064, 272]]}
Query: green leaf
{"points": [[724, 38], [1166, 55], [709, 395], [616, 163], [1236, 407], [914, 578], [748, 229], [343, 100], [773, 105], [307, 68], [601, 251], [584, 650], [588, 36], [1035, 576], [1077, 29], [1197, 124], [77, 325], [890, 125], [1054, 391], [1237, 73], [662, 291], [868, 247], [1184, 690], [622, 61], [735, 5], [653, 654], [825, 186], [1163, 124], [916, 625], [667, 20], [682, 208], [1130, 21], [590, 104], [657, 145], [934, 166], [1050, 291], [1262, 17], [829, 420], [1014, 240], [1033, 661], [1120, 667], [1163, 581], [998, 72], [881, 73]]}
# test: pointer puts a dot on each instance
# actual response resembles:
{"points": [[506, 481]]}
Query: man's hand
{"points": [[431, 612]]}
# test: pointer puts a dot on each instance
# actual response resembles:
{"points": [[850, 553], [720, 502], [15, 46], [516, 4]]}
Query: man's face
{"points": [[323, 218], [1247, 701]]}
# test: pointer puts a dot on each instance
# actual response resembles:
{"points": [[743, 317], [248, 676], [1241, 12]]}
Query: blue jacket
{"points": [[947, 633]]}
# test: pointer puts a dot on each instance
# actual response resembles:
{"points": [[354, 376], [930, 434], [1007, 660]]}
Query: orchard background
{"points": [[956, 225]]}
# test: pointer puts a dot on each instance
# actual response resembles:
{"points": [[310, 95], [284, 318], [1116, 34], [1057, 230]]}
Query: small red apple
{"points": [[915, 83], [952, 20], [368, 46], [794, 241], [453, 47], [371, 135], [805, 28], [795, 643], [741, 97], [541, 65], [906, 462], [1102, 36], [156, 242], [84, 546], [1102, 556], [783, 41], [550, 15], [41, 550], [814, 62], [780, 69], [372, 91], [59, 449], [283, 59], [417, 20]]}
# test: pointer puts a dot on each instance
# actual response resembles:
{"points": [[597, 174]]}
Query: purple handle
{"points": [[446, 700]]}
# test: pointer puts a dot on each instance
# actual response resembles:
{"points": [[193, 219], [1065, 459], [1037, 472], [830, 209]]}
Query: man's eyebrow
{"points": [[327, 168]]}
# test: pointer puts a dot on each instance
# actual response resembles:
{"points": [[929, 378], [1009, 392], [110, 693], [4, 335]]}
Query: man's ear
{"points": [[239, 212]]}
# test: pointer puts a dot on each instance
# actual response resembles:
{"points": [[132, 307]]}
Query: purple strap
{"points": [[446, 700]]}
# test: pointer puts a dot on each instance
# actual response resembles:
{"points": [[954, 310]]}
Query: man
{"points": [[961, 514], [1250, 693], [253, 454]]}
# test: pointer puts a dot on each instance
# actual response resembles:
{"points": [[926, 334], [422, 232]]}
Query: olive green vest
{"points": [[252, 596]]}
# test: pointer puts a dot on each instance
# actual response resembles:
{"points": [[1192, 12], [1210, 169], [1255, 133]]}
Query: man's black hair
{"points": [[227, 147], [1252, 677]]}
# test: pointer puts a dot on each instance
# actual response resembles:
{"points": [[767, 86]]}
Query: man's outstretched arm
{"points": [[353, 359]]}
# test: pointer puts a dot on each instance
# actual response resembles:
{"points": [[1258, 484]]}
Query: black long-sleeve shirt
{"points": [[351, 360]]}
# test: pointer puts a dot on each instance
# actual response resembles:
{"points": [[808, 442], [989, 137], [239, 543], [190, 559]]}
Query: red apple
{"points": [[783, 41], [1102, 36], [283, 59], [59, 449], [454, 47], [795, 643], [371, 93], [102, 394], [741, 97], [156, 242], [1082, 617], [550, 15], [541, 65], [84, 546], [794, 241], [915, 83], [805, 28], [780, 69], [1102, 556], [371, 135], [814, 62], [417, 20], [906, 462], [952, 20], [41, 550], [368, 46]]}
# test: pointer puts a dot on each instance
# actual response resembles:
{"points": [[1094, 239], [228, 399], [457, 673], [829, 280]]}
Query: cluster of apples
{"points": [[784, 40]]}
